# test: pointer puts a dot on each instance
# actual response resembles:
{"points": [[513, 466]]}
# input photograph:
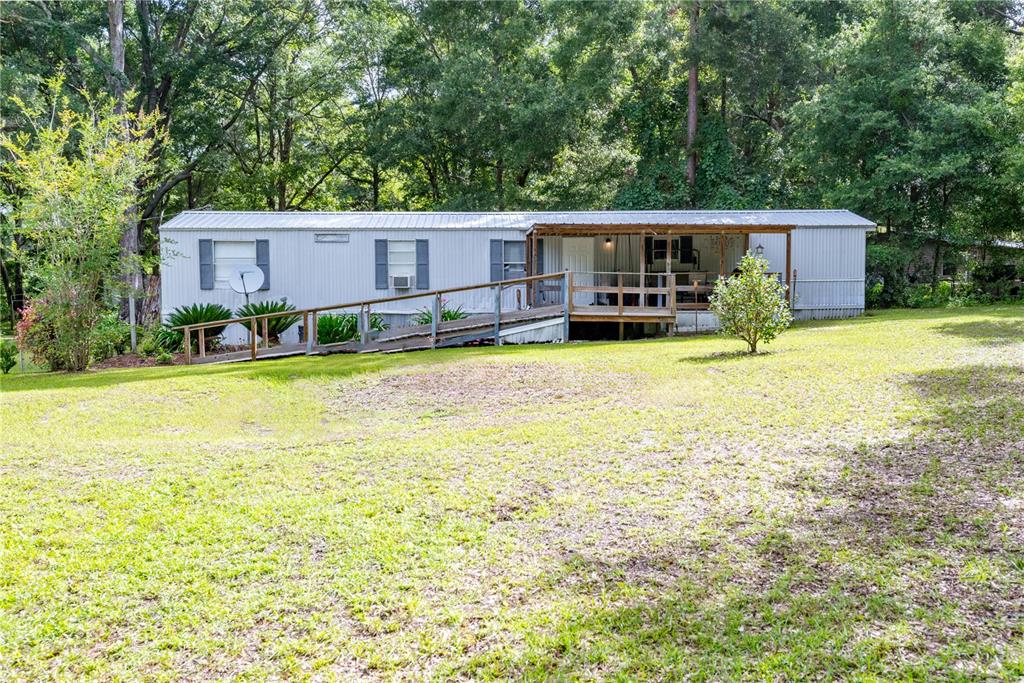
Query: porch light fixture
{"points": [[607, 242], [759, 250]]}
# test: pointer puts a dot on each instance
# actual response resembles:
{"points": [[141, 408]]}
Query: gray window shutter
{"points": [[380, 252], [497, 260], [263, 261], [422, 264], [205, 264], [540, 258]]}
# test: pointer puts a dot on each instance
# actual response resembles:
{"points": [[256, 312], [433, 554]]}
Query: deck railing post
{"points": [[672, 293], [497, 315], [266, 333], [435, 320], [314, 323], [567, 303], [567, 290], [620, 293], [188, 345], [364, 324], [306, 329], [252, 337], [202, 342]]}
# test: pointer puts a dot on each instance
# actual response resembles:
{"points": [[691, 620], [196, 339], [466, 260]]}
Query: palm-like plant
{"points": [[277, 325], [343, 327], [196, 314]]}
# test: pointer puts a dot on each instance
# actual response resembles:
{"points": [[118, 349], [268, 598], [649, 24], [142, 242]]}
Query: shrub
{"points": [[8, 355], [110, 337], [193, 315], [874, 295], [275, 326], [926, 296], [343, 327], [425, 316], [148, 341], [887, 267], [164, 357], [751, 305], [37, 336]]}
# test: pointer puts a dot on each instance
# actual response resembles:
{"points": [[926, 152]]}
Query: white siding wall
{"points": [[830, 269], [310, 273]]}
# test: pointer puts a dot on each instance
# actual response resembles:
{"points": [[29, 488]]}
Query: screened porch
{"points": [[646, 273]]}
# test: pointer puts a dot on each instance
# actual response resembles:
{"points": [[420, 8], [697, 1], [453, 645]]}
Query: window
{"points": [[514, 263], [402, 258], [228, 256], [332, 237]]}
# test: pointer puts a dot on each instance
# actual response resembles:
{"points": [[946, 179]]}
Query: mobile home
{"points": [[645, 267]]}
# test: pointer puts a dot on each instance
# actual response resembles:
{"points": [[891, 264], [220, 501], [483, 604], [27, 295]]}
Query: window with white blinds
{"points": [[402, 258], [228, 256]]}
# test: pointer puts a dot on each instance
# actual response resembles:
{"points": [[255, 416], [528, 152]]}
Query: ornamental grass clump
{"points": [[751, 305]]}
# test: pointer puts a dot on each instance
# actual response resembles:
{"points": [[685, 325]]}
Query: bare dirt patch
{"points": [[487, 387]]}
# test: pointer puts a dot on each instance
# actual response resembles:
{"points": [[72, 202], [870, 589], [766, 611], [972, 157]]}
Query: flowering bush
{"points": [[37, 337]]}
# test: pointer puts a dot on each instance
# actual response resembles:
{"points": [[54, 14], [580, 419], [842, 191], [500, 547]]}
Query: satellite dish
{"points": [[246, 279]]}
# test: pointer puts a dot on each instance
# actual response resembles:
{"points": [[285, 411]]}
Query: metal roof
{"points": [[508, 220]]}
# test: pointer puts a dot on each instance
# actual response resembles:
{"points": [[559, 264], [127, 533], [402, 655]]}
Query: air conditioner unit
{"points": [[402, 281]]}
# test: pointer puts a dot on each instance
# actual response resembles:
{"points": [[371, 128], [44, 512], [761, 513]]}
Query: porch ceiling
{"points": [[652, 229]]}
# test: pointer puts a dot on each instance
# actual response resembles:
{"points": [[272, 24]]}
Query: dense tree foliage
{"points": [[909, 112]]}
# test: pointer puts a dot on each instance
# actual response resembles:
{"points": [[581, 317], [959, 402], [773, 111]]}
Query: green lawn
{"points": [[849, 505]]}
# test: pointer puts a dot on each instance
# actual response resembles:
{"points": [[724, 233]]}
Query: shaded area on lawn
{"points": [[997, 332], [905, 553]]}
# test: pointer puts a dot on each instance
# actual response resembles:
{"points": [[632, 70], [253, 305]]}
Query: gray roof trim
{"points": [[512, 220]]}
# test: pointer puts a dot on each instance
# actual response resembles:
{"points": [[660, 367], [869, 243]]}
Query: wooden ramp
{"points": [[474, 329]]}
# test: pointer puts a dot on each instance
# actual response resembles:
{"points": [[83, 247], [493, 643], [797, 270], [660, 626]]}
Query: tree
{"points": [[913, 127], [75, 175], [752, 304]]}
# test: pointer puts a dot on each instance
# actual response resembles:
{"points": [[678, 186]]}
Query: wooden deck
{"points": [[628, 314]]}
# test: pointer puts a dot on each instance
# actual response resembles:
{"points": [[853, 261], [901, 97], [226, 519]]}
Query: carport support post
{"points": [[435, 319], [497, 315]]}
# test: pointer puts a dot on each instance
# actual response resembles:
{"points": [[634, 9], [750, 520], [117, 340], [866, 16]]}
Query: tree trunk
{"points": [[375, 188], [8, 291], [115, 16], [130, 236], [499, 180], [937, 267], [691, 113]]}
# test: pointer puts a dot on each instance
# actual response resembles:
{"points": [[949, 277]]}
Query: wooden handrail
{"points": [[369, 302]]}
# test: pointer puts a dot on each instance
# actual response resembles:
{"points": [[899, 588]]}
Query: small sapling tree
{"points": [[751, 304]]}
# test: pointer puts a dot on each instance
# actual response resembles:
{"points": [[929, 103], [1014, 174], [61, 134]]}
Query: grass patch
{"points": [[847, 506]]}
